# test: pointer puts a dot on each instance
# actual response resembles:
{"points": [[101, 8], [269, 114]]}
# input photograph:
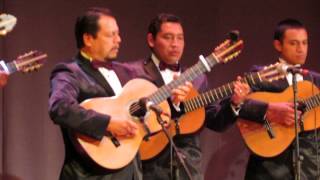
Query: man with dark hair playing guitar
{"points": [[291, 41], [90, 76]]}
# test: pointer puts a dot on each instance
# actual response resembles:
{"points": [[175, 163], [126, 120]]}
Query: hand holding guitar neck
{"points": [[240, 92], [180, 93]]}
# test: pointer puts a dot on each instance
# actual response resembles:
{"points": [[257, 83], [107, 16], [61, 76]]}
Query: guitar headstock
{"points": [[229, 49], [273, 72], [30, 61], [7, 22]]}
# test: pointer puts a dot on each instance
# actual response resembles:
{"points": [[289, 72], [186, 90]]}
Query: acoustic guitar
{"points": [[255, 135], [7, 23], [27, 62], [114, 152], [194, 116]]}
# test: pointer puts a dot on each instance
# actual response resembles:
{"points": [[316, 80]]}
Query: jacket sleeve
{"points": [[220, 116], [64, 108]]}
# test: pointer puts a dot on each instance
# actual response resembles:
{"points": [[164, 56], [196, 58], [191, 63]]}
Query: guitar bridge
{"points": [[114, 140]]}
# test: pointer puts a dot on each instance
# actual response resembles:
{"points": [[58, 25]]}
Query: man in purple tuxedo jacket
{"points": [[92, 73], [165, 38], [88, 76], [291, 42]]}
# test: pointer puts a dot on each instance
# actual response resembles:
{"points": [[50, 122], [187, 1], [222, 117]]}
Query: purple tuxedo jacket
{"points": [[72, 83]]}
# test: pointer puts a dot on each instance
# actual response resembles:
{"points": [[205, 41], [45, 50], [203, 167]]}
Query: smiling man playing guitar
{"points": [[291, 41]]}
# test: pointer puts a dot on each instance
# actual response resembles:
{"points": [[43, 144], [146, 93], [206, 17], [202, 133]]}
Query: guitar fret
{"points": [[202, 102], [231, 89], [317, 99], [186, 106], [162, 95], [198, 68], [259, 76], [157, 99], [207, 96], [215, 92], [204, 98], [197, 103], [313, 102], [310, 103], [212, 96], [220, 92], [192, 104], [306, 102], [193, 73], [224, 88], [252, 78]]}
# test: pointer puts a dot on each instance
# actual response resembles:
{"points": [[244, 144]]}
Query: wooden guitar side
{"points": [[256, 136]]}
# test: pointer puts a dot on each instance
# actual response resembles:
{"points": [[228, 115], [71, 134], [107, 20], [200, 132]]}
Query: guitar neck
{"points": [[219, 93], [190, 74], [8, 67], [312, 102]]}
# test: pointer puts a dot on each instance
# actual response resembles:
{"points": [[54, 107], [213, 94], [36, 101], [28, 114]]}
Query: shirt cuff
{"points": [[236, 109]]}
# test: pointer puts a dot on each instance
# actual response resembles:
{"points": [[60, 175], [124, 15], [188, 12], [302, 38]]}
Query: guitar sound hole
{"points": [[136, 110]]}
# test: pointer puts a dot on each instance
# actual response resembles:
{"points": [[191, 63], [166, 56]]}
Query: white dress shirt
{"points": [[167, 76]]}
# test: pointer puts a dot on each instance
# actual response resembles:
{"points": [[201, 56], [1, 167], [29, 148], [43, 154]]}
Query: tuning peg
{"points": [[234, 35]]}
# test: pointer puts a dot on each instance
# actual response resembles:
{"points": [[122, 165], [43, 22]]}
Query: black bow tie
{"points": [[98, 64], [172, 67]]}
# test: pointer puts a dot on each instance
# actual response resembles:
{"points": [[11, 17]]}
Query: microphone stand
{"points": [[179, 155], [297, 158]]}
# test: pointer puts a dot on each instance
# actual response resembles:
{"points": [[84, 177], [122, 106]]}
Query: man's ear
{"points": [[87, 39], [277, 45], [150, 40]]}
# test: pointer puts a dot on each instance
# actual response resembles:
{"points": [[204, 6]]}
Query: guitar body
{"points": [[256, 136], [104, 152], [189, 123]]}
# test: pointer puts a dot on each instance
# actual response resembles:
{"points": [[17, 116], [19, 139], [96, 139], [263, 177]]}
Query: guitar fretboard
{"points": [[312, 102], [190, 74], [219, 93]]}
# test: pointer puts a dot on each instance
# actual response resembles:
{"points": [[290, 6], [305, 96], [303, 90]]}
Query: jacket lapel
{"points": [[151, 69], [124, 74], [95, 74]]}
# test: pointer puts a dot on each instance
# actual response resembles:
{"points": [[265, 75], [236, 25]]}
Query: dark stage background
{"points": [[31, 145]]}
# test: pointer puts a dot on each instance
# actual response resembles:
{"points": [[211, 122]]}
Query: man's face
{"points": [[294, 46], [168, 44], [106, 44]]}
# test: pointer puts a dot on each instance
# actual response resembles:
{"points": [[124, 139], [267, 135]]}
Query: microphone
{"points": [[146, 104], [297, 70]]}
